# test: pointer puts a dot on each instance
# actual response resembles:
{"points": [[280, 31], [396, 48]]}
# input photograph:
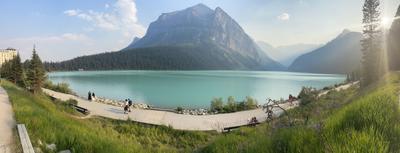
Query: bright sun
{"points": [[385, 22]]}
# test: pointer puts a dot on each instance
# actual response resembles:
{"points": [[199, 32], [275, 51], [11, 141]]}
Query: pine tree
{"points": [[6, 70], [371, 46], [36, 74], [17, 72]]}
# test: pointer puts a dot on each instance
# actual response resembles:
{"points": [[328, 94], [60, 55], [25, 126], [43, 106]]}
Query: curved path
{"points": [[7, 123], [176, 121]]}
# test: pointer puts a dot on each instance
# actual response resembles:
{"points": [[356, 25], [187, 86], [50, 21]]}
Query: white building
{"points": [[7, 54]]}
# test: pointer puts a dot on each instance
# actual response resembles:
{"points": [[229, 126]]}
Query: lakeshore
{"points": [[177, 121], [215, 122]]}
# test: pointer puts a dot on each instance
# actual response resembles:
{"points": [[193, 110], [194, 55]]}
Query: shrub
{"points": [[59, 87], [307, 95], [217, 105], [250, 103]]}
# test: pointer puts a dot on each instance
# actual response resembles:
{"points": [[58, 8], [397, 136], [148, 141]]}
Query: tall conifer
{"points": [[36, 74], [371, 43]]}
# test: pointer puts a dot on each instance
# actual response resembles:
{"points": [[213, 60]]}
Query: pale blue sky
{"points": [[63, 29]]}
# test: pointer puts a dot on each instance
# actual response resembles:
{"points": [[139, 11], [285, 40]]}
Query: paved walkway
{"points": [[179, 121], [342, 87], [7, 122], [176, 121]]}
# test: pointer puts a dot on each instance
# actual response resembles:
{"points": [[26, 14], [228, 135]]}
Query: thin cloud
{"points": [[49, 46], [122, 17], [284, 17], [71, 12]]}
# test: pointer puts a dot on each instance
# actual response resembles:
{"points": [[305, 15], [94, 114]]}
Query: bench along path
{"points": [[7, 123], [176, 121]]}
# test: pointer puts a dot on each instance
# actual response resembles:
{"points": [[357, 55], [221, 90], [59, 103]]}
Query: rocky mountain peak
{"points": [[201, 26]]}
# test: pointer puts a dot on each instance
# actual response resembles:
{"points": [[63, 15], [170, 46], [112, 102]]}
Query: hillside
{"points": [[342, 55], [52, 121], [352, 120], [196, 38]]}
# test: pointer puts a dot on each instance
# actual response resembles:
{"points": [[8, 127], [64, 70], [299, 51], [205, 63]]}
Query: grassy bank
{"points": [[353, 120], [51, 122]]}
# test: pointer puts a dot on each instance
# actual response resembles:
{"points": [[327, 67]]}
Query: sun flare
{"points": [[386, 22]]}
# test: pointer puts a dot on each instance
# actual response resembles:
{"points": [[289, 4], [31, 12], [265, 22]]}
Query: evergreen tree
{"points": [[36, 74], [6, 70], [17, 72], [371, 45]]}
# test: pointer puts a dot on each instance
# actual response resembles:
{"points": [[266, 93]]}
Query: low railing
{"points": [[25, 141]]}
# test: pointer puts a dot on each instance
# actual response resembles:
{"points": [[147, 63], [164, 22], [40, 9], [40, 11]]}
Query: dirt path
{"points": [[7, 123]]}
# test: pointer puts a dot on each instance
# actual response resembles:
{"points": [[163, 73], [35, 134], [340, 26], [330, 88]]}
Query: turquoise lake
{"points": [[192, 89]]}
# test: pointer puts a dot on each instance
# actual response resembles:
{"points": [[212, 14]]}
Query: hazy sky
{"points": [[63, 29]]}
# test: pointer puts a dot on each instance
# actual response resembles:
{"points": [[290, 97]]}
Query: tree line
{"points": [[30, 74], [190, 57]]}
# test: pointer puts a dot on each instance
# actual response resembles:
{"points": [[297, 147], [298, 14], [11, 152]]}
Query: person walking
{"points": [[130, 103], [93, 96], [126, 106], [89, 96]]}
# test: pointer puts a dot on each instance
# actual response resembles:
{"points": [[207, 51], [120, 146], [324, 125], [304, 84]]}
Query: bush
{"points": [[217, 105], [250, 103], [307, 95], [179, 109], [59, 87]]}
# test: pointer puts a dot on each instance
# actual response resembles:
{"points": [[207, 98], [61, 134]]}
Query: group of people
{"points": [[127, 106], [91, 96], [253, 121]]}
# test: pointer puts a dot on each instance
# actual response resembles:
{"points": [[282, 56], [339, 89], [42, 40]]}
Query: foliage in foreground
{"points": [[53, 122]]}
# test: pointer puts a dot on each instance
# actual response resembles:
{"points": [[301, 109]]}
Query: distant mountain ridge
{"points": [[286, 54], [342, 55], [197, 32]]}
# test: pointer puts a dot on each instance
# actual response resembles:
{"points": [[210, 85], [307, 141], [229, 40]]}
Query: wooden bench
{"points": [[25, 141], [229, 129], [81, 109]]}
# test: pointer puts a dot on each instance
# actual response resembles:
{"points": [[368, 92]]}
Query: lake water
{"points": [[193, 89]]}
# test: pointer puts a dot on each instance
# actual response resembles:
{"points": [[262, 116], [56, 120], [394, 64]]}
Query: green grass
{"points": [[370, 124], [53, 122], [366, 120], [353, 120]]}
